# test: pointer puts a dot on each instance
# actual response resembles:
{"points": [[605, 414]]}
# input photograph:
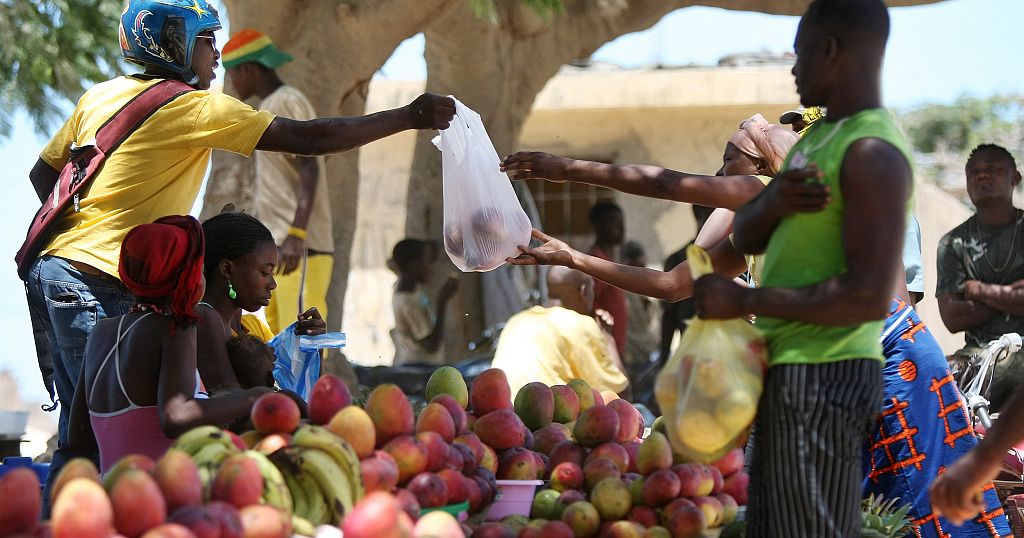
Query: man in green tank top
{"points": [[831, 227]]}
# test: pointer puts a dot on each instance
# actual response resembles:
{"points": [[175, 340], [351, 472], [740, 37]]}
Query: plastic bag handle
{"points": [[700, 262], [458, 132]]}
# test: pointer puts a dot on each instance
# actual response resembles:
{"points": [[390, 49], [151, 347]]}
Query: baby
{"points": [[253, 363], [252, 360]]}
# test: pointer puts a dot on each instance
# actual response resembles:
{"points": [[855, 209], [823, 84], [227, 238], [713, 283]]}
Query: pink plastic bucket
{"points": [[514, 497]]}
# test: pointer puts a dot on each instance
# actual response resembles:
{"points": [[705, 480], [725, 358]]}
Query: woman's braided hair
{"points": [[231, 235]]}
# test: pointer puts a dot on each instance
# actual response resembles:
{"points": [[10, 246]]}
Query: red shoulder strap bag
{"points": [[86, 161]]}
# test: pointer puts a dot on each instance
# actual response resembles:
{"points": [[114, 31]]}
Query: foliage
{"points": [[944, 135], [48, 50], [545, 8], [882, 519], [966, 123]]}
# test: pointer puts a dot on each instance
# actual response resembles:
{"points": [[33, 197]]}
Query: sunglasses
{"points": [[213, 40]]}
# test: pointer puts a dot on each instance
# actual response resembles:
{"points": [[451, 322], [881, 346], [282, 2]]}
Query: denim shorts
{"points": [[68, 303]]}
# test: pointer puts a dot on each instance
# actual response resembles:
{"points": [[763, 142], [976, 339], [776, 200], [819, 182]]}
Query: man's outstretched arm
{"points": [[642, 180], [323, 136]]}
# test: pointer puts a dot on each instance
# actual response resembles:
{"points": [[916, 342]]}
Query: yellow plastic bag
{"points": [[708, 391]]}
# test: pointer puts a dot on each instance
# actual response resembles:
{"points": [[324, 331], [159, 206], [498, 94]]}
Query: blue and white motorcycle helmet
{"points": [[162, 33]]}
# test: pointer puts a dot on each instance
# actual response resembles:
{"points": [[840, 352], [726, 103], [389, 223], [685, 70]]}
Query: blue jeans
{"points": [[68, 303]]}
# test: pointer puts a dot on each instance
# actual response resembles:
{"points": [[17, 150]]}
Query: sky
{"points": [[937, 53]]}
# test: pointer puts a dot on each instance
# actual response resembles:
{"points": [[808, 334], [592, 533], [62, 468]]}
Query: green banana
{"points": [[195, 439], [313, 436], [275, 490], [302, 527], [307, 497], [318, 511], [331, 479], [213, 453], [300, 497], [208, 460]]}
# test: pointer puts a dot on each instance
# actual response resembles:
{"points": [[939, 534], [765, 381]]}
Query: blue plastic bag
{"points": [[297, 364]]}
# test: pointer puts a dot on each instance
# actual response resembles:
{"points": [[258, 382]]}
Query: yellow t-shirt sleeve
{"points": [[592, 360], [58, 149], [226, 123], [257, 327], [764, 179]]}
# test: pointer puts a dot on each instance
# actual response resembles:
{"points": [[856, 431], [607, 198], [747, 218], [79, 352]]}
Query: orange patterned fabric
{"points": [[923, 427]]}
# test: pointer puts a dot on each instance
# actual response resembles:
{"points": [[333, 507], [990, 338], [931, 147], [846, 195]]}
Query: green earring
{"points": [[231, 291]]}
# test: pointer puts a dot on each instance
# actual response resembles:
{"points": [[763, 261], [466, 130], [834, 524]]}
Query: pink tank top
{"points": [[132, 430]]}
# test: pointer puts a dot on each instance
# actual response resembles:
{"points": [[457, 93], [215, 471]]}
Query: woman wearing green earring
{"points": [[240, 260]]}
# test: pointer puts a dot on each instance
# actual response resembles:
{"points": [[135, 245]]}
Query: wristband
{"points": [[297, 233]]}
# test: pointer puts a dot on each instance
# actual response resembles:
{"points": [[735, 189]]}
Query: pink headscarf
{"points": [[764, 140]]}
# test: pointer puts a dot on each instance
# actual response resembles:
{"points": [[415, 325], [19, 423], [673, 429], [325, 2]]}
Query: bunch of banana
{"points": [[208, 446], [275, 490], [319, 437], [308, 500], [322, 474], [302, 526]]}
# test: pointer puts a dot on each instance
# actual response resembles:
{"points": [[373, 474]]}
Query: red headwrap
{"points": [[165, 260]]}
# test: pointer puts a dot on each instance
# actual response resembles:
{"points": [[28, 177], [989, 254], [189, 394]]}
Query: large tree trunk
{"points": [[337, 45]]}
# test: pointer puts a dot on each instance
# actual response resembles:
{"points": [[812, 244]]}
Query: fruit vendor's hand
{"points": [[536, 165], [718, 297], [796, 191], [552, 252], [311, 323], [957, 493]]}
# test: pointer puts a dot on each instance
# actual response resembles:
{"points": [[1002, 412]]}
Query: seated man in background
{"points": [[562, 341], [981, 267]]}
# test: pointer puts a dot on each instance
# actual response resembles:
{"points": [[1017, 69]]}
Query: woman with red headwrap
{"points": [[136, 390]]}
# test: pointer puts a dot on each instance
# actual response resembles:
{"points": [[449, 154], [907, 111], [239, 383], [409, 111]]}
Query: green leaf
{"points": [[49, 51], [487, 9]]}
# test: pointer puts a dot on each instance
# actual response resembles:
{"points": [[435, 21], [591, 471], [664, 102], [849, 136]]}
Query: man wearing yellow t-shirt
{"points": [[291, 190], [563, 341], [159, 168]]}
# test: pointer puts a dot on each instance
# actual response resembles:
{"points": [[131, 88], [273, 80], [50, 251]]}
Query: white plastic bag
{"points": [[483, 221]]}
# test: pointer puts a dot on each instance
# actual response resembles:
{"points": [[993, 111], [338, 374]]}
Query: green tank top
{"points": [[807, 248]]}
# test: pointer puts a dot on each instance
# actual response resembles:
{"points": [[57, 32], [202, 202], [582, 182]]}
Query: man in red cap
{"points": [[290, 190]]}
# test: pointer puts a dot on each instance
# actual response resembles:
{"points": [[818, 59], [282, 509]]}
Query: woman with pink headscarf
{"points": [[752, 156], [765, 143]]}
